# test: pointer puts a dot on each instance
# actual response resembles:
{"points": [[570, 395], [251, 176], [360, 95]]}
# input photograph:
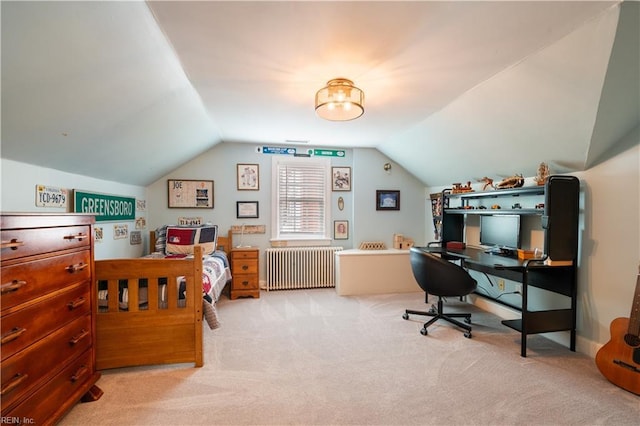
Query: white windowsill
{"points": [[302, 242]]}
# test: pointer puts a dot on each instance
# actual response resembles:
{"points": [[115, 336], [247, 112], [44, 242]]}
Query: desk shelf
{"points": [[498, 193], [543, 321], [522, 212]]}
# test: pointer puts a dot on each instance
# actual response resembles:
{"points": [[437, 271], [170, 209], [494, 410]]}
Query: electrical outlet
{"points": [[501, 285], [519, 288]]}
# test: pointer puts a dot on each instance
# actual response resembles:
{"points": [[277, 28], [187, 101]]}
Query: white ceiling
{"points": [[128, 91]]}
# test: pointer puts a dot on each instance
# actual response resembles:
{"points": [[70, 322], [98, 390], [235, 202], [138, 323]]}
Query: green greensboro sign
{"points": [[105, 207]]}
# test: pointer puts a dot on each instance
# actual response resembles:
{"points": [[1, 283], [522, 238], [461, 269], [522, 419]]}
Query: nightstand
{"points": [[244, 272]]}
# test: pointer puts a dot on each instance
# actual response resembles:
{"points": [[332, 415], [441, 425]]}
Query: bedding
{"points": [[178, 242]]}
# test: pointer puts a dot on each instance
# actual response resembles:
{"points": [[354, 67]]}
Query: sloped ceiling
{"points": [[128, 91]]}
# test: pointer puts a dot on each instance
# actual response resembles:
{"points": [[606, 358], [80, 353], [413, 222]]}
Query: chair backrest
{"points": [[440, 277]]}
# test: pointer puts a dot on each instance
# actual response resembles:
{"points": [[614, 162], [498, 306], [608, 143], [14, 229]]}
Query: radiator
{"points": [[300, 267]]}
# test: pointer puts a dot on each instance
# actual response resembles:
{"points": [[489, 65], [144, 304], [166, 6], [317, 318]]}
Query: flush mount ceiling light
{"points": [[340, 100]]}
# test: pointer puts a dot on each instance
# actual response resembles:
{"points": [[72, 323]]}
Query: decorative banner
{"points": [[50, 196], [276, 150], [327, 152], [105, 207], [248, 229]]}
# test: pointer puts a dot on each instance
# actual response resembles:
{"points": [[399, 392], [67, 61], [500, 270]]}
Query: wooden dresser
{"points": [[48, 317], [244, 272]]}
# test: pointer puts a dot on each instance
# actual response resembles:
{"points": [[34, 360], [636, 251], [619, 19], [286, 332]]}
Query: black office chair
{"points": [[441, 278]]}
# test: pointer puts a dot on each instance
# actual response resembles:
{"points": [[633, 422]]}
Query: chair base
{"points": [[437, 313]]}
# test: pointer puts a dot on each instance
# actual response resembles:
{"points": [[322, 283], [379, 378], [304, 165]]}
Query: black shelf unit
{"points": [[557, 272]]}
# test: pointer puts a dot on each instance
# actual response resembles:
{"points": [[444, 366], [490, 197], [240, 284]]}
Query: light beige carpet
{"points": [[310, 357]]}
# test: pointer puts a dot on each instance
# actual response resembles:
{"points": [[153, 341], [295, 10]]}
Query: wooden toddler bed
{"points": [[161, 322]]}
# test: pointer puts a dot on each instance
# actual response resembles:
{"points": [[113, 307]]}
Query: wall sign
{"points": [[50, 196], [276, 150], [105, 207]]}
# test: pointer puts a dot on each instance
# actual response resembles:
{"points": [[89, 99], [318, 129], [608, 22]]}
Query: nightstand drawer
{"points": [[245, 282], [244, 254], [245, 266]]}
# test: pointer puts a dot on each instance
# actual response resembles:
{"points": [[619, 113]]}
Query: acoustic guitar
{"points": [[619, 359]]}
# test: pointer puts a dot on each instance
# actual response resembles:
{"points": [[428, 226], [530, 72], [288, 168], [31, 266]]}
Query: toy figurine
{"points": [[543, 174], [515, 181]]}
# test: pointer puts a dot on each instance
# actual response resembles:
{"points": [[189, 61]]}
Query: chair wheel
{"points": [[405, 316], [467, 320], [433, 310], [424, 332], [467, 334]]}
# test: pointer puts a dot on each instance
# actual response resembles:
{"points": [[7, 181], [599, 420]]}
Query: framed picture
{"points": [[247, 209], [248, 177], [190, 194], [341, 178], [387, 200], [340, 229]]}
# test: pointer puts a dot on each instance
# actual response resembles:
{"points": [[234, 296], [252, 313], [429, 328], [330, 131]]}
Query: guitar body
{"points": [[618, 360]]}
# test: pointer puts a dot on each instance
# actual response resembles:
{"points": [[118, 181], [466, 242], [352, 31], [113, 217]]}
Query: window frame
{"points": [[300, 239]]}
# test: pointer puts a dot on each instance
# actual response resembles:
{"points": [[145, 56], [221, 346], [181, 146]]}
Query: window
{"points": [[301, 198]]}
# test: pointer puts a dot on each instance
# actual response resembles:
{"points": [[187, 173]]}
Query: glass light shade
{"points": [[340, 100]]}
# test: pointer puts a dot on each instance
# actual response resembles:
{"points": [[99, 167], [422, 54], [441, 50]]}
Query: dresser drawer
{"points": [[244, 254], [245, 282], [54, 398], [23, 327], [245, 266], [28, 280], [30, 366], [17, 243]]}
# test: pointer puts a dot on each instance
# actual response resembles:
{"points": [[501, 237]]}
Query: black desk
{"points": [[557, 279]]}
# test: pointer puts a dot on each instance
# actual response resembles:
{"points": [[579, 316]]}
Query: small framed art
{"points": [[340, 229], [341, 178], [248, 177], [247, 210], [387, 200]]}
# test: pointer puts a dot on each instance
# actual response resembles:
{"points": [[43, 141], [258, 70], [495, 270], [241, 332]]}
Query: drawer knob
{"points": [[79, 373], [245, 283], [14, 285], [77, 267], [245, 267], [13, 244], [13, 334], [76, 303], [14, 383]]}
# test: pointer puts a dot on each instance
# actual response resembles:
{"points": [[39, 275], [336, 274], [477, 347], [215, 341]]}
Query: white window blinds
{"points": [[302, 198]]}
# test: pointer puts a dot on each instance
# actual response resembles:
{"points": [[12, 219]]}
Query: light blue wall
{"points": [[366, 224], [19, 182], [380, 225]]}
